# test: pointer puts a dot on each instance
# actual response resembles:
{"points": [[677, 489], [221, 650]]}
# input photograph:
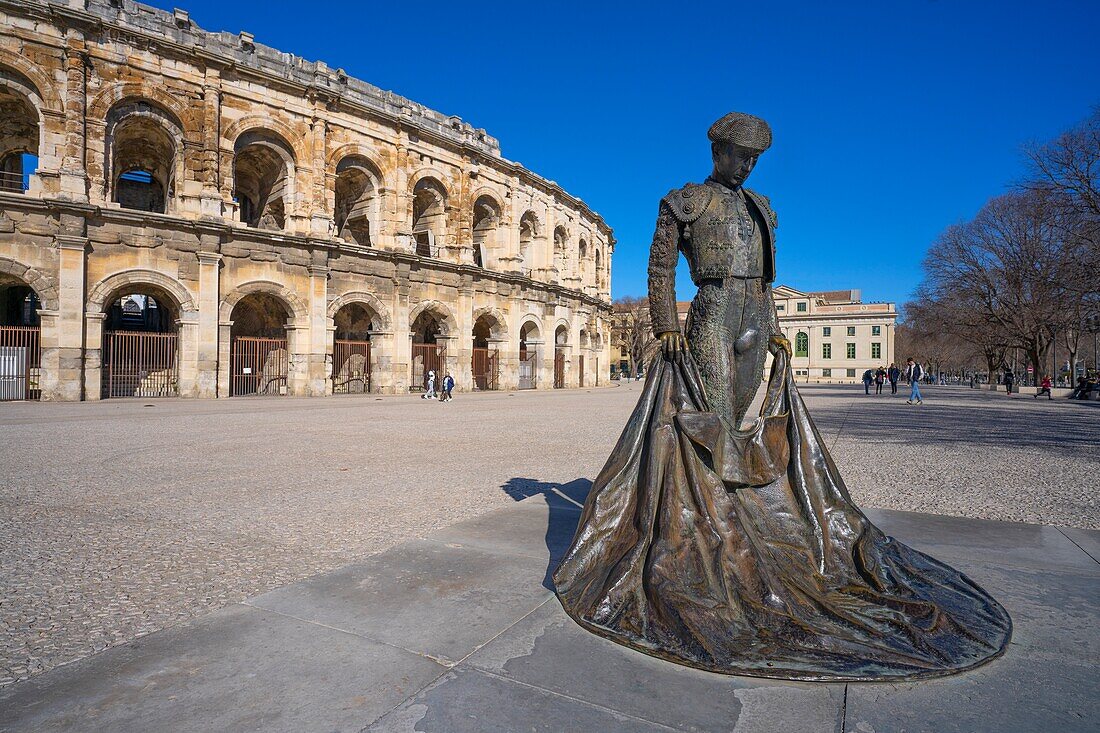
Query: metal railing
{"points": [[426, 358], [258, 366], [350, 367], [13, 182], [20, 363], [484, 367], [140, 364]]}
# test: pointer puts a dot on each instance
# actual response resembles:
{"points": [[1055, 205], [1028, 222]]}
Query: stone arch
{"points": [[99, 297], [141, 135], [43, 285], [295, 306], [357, 150], [446, 317], [272, 126], [356, 199], [116, 94], [44, 89], [530, 320], [561, 330], [23, 133], [429, 172], [498, 321], [372, 301], [430, 202], [264, 176]]}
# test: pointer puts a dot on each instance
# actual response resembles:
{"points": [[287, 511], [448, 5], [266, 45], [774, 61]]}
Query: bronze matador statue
{"points": [[739, 549], [727, 234]]}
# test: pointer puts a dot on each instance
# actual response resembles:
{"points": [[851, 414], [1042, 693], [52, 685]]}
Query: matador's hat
{"points": [[742, 129]]}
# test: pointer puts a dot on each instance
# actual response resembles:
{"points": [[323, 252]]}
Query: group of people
{"points": [[444, 394], [913, 373]]}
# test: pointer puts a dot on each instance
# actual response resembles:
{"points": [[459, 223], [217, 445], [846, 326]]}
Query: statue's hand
{"points": [[777, 342], [673, 344]]}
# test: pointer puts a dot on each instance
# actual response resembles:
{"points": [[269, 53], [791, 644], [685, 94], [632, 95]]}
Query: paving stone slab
{"points": [[1087, 539], [1018, 693], [1001, 543], [534, 527], [550, 651], [469, 701], [430, 598], [239, 669]]}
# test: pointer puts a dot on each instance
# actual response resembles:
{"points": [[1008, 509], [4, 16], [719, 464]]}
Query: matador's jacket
{"points": [[723, 232]]}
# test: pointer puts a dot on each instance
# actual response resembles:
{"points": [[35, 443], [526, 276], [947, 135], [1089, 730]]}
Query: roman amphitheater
{"points": [[193, 213]]}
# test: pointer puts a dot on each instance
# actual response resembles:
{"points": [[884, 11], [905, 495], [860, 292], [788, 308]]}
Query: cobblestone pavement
{"points": [[123, 517]]}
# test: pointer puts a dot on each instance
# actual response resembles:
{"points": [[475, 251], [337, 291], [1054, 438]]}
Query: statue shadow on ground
{"points": [[564, 502]]}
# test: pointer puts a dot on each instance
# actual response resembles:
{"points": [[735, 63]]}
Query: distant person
{"points": [[429, 390], [1010, 379], [868, 377], [880, 379], [913, 372], [448, 385], [1045, 389], [893, 374]]}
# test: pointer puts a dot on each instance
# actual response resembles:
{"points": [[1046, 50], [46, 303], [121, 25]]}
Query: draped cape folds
{"points": [[741, 552]]}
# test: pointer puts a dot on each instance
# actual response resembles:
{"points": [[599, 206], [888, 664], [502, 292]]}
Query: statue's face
{"points": [[734, 163]]}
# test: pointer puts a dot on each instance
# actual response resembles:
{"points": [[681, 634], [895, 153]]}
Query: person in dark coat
{"points": [[868, 377], [893, 374], [880, 379]]}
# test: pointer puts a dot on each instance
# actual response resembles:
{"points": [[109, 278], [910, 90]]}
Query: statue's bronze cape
{"points": [[744, 554]]}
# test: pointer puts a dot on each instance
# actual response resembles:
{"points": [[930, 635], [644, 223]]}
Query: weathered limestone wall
{"points": [[279, 176]]}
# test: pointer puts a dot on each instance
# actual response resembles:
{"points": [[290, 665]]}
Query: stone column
{"points": [[299, 359], [381, 362], [401, 349], [49, 355], [210, 204], [69, 329], [225, 338], [507, 363], [321, 218], [93, 356], [319, 361], [188, 334], [207, 355], [73, 175]]}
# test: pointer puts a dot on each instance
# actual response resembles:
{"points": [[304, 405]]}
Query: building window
{"points": [[826, 351], [826, 330], [801, 344], [851, 372], [801, 307], [851, 330], [876, 350], [781, 306], [826, 372], [876, 330], [851, 349]]}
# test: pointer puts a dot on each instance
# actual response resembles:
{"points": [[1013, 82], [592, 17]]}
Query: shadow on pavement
{"points": [[564, 502]]}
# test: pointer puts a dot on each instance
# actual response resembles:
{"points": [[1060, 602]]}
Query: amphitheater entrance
{"points": [[485, 364], [20, 341], [561, 345], [140, 345], [428, 350], [351, 350], [528, 355], [259, 362]]}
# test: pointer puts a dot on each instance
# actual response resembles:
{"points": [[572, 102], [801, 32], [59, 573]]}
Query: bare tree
{"points": [[632, 315], [1009, 264]]}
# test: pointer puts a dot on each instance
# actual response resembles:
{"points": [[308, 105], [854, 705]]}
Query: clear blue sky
{"points": [[891, 120]]}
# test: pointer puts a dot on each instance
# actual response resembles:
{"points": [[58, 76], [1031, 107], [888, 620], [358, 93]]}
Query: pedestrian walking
{"points": [[914, 372], [448, 385], [893, 374], [429, 390], [868, 377], [1045, 389], [1010, 379], [880, 379]]}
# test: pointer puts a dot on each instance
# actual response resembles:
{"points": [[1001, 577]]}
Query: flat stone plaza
{"points": [[351, 562]]}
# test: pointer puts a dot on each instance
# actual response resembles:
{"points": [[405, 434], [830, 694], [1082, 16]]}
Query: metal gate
{"points": [[350, 367], [140, 364], [20, 363], [526, 370], [485, 369], [425, 358], [559, 369], [580, 368], [258, 366]]}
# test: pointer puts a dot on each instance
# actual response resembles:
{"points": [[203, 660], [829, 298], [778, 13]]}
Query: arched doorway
{"points": [[356, 205], [263, 179], [259, 361], [428, 350], [20, 341], [528, 355], [351, 349], [485, 365], [140, 343], [561, 344], [486, 219], [429, 222], [18, 137]]}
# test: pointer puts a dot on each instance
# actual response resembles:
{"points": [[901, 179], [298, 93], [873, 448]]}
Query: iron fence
{"points": [[20, 363], [426, 358], [485, 370], [258, 366], [140, 364], [350, 367]]}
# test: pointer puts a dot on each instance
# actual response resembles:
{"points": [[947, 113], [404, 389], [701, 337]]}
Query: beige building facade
{"points": [[193, 213]]}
